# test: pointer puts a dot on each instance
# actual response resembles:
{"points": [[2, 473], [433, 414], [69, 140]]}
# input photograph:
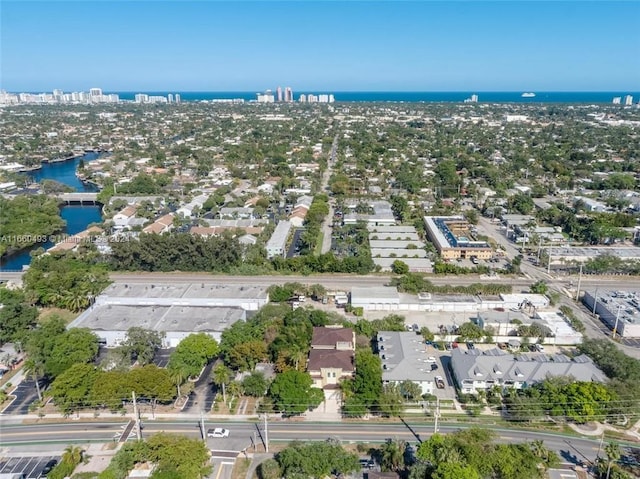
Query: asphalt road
{"points": [[571, 449]]}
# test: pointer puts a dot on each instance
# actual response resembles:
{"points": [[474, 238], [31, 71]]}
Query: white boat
{"points": [[528, 95]]}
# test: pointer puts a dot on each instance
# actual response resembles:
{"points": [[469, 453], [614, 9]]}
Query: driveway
{"points": [[202, 396], [26, 394]]}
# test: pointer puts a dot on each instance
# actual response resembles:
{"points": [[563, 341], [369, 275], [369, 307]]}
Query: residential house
{"points": [[331, 358], [161, 225], [405, 357], [475, 370], [122, 218]]}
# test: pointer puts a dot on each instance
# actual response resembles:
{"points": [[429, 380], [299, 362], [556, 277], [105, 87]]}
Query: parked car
{"points": [[434, 366], [48, 467], [431, 359], [439, 382], [218, 432], [470, 345]]}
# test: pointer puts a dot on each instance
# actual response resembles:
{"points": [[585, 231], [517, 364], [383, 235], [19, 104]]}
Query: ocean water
{"points": [[412, 97]]}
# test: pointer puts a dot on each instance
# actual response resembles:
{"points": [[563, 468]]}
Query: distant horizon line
{"points": [[327, 90]]}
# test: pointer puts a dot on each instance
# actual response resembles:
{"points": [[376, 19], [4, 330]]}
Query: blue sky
{"points": [[335, 45]]}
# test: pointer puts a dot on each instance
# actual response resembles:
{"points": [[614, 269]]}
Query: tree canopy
{"points": [[293, 393], [316, 460], [193, 353]]}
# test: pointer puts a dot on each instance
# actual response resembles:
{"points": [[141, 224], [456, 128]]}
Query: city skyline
{"points": [[330, 46]]}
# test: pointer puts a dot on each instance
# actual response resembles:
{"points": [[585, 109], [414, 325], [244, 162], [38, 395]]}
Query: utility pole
{"points": [[204, 436], [600, 445], [136, 416], [436, 416], [615, 327], [579, 283], [266, 433], [549, 260], [595, 302]]}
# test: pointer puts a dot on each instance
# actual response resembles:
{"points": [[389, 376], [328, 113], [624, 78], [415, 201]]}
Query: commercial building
{"points": [[387, 298], [404, 358], [381, 298], [276, 246], [382, 214], [452, 237], [111, 322], [620, 310], [475, 370], [176, 309], [564, 255]]}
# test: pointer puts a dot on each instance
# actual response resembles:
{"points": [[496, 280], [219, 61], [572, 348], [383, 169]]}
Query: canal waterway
{"points": [[77, 217]]}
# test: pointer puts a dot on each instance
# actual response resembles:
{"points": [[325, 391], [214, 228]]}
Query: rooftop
{"points": [[111, 317], [498, 365], [404, 356], [328, 336], [186, 290], [330, 358]]}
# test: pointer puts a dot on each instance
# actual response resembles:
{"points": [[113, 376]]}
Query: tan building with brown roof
{"points": [[161, 225], [331, 358]]}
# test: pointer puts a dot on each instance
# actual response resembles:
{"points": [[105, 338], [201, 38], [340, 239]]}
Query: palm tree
{"points": [[73, 455], [298, 355], [34, 369], [538, 449], [177, 377], [76, 300], [613, 454], [221, 377], [235, 389], [392, 455]]}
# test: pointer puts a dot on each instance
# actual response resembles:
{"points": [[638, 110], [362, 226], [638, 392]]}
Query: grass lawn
{"points": [[47, 313], [241, 467], [318, 249]]}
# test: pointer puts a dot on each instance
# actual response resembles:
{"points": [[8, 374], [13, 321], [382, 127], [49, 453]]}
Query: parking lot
{"points": [[443, 360], [30, 466], [25, 393], [161, 358]]}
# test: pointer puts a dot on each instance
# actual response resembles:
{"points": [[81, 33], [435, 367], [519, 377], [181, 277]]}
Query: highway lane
{"points": [[243, 433], [60, 433], [345, 282]]}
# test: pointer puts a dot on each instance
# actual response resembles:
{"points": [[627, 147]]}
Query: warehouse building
{"points": [[111, 322], [176, 309]]}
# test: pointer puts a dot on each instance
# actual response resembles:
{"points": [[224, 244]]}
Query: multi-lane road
{"points": [[572, 449], [345, 281]]}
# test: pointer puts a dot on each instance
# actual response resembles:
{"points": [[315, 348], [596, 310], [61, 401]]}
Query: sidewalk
{"points": [[598, 429]]}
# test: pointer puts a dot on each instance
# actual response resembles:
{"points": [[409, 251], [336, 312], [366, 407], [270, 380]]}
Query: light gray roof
{"points": [[395, 244], [396, 229], [397, 253], [497, 365], [140, 292], [403, 356], [394, 235], [110, 317], [280, 235], [380, 292]]}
